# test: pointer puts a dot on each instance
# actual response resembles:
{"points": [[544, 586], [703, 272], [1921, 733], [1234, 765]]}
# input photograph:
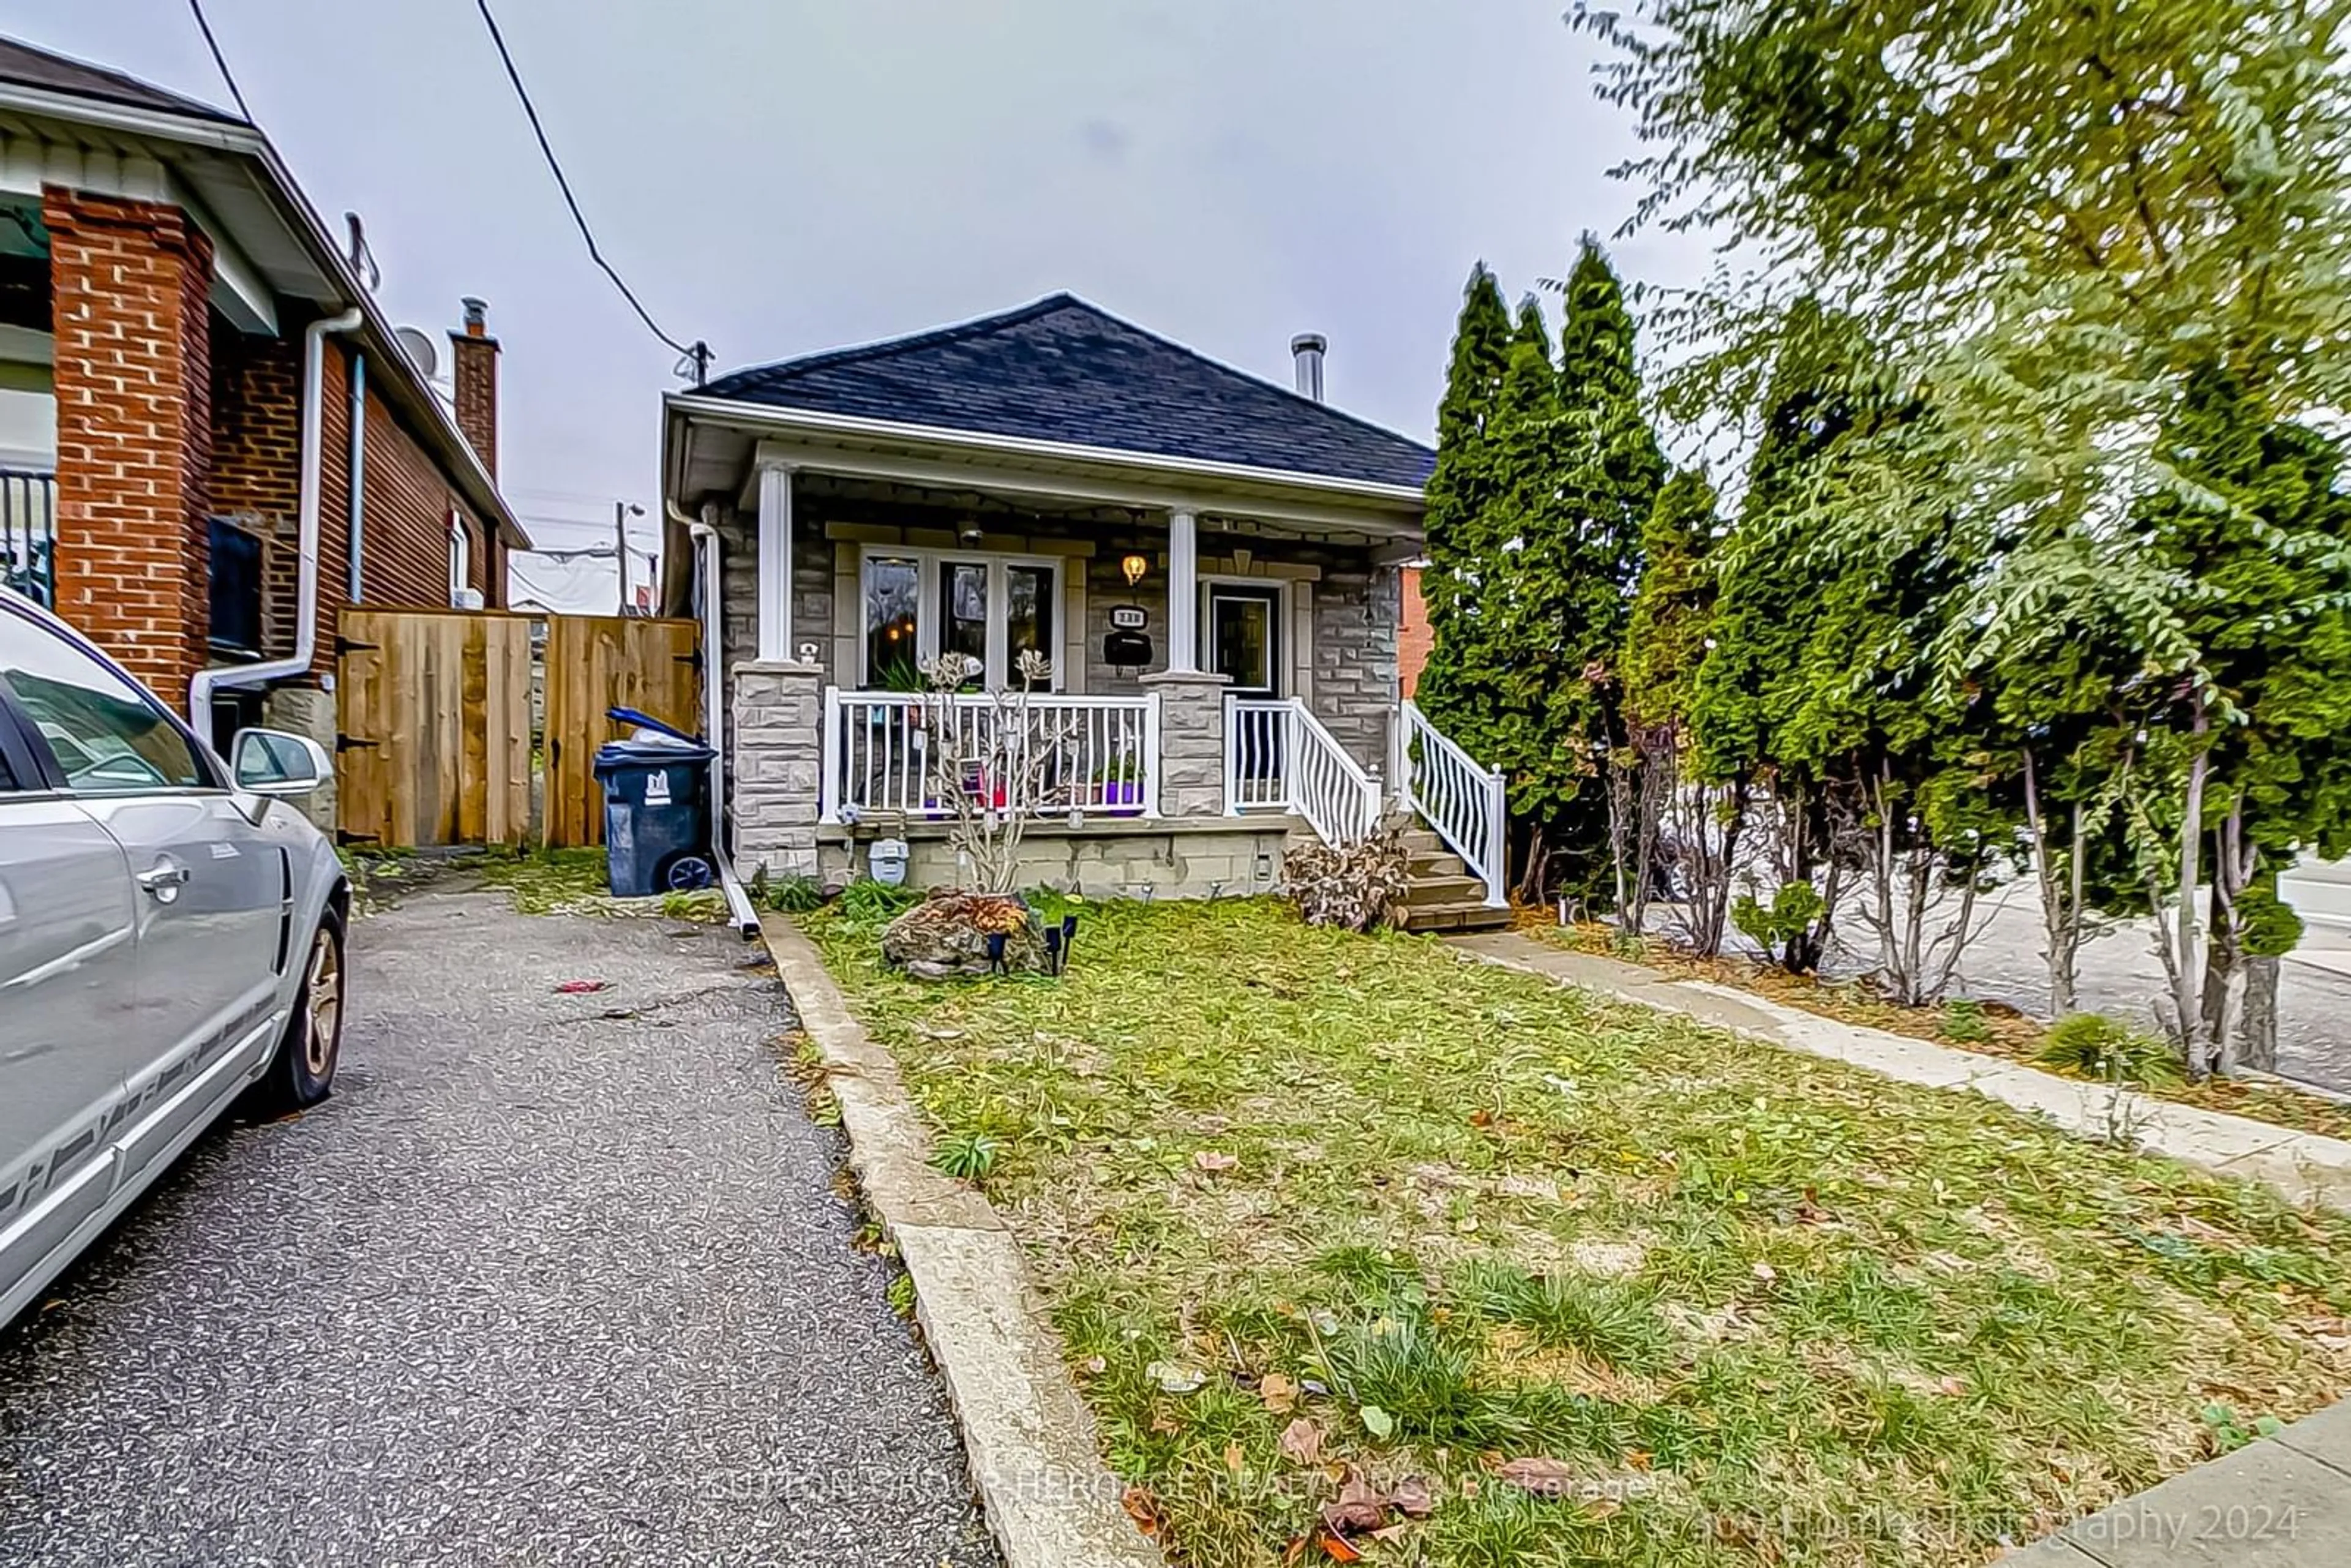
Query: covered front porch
{"points": [[1171, 637]]}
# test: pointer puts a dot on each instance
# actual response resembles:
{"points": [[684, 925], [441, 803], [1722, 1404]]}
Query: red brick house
{"points": [[205, 420]]}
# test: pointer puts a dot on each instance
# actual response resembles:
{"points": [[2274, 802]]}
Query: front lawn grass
{"points": [[1756, 1307]]}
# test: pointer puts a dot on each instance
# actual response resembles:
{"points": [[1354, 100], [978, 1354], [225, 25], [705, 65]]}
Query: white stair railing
{"points": [[1462, 801], [1279, 757]]}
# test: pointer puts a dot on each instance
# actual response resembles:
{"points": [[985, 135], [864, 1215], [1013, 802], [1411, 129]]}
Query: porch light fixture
{"points": [[1134, 567]]}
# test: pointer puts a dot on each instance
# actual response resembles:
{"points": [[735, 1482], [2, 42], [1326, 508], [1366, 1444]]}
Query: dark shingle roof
{"points": [[29, 67], [1063, 371]]}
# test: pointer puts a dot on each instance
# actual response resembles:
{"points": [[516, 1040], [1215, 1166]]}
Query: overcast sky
{"points": [[781, 176]]}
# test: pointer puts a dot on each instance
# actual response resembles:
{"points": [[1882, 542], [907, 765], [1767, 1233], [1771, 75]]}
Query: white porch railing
{"points": [[878, 750], [1462, 801], [1279, 757]]}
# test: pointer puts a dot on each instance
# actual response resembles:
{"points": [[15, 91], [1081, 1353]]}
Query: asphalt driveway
{"points": [[551, 1279]]}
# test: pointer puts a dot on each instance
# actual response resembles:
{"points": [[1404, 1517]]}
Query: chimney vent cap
{"points": [[477, 313]]}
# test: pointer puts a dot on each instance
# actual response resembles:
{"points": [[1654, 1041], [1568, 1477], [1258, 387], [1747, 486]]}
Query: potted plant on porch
{"points": [[1118, 784]]}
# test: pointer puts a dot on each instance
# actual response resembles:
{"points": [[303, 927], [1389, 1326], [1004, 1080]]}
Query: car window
{"points": [[107, 735]]}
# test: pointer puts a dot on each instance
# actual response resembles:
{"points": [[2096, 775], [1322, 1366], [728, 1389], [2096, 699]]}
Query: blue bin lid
{"points": [[615, 755]]}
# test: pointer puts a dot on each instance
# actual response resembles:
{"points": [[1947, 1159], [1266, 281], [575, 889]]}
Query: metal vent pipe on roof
{"points": [[1306, 349]]}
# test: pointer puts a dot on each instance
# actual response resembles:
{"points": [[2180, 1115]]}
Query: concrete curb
{"points": [[2305, 1167], [1050, 1502]]}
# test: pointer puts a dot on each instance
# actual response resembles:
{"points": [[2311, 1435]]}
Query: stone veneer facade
{"points": [[775, 733]]}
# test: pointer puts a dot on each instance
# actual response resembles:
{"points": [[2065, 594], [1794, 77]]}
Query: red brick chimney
{"points": [[476, 374]]}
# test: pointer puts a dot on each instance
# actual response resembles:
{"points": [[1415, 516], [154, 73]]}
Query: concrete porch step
{"points": [[1457, 888], [1435, 862], [1468, 915]]}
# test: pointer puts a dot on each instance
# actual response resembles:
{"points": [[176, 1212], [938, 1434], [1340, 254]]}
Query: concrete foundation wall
{"points": [[1175, 863]]}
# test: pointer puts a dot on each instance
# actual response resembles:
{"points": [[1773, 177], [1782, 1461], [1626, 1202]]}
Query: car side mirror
{"points": [[272, 762]]}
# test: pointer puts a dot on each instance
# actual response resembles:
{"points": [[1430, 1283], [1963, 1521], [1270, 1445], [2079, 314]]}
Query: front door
{"points": [[1245, 646], [1245, 638]]}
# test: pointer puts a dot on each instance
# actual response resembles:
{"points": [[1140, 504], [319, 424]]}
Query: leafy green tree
{"points": [[1456, 688], [1583, 559], [1691, 826], [2269, 551], [1747, 693], [2056, 215], [1527, 660]]}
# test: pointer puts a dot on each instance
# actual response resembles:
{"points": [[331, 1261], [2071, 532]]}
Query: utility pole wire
{"points": [[699, 353], [213, 44]]}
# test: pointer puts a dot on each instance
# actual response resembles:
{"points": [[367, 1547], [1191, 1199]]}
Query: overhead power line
{"points": [[205, 27], [698, 353]]}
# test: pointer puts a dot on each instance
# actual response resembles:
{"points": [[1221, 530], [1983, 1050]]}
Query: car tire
{"points": [[303, 1072]]}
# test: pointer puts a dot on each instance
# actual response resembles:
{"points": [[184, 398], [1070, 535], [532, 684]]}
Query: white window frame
{"points": [[461, 557], [927, 562]]}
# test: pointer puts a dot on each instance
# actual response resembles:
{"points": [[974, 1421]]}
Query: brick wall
{"points": [[257, 461], [168, 415], [404, 543], [474, 368], [1414, 637], [130, 282]]}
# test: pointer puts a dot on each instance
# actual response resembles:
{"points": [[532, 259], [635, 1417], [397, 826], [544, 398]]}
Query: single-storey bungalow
{"points": [[1210, 562]]}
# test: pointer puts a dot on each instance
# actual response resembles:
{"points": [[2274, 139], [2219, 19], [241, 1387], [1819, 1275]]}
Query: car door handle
{"points": [[164, 880]]}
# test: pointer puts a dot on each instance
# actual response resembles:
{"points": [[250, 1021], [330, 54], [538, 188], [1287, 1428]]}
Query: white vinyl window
{"points": [[920, 603], [461, 559]]}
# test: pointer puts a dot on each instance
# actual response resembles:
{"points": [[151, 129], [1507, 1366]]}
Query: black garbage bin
{"points": [[656, 815]]}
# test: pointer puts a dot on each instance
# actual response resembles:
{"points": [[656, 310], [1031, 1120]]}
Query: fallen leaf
{"points": [[1359, 1508], [1143, 1509], [1096, 1365], [1953, 1387], [1638, 1458], [1174, 1377], [1377, 1422], [1764, 1271], [1280, 1395], [1215, 1160], [1543, 1477], [1411, 1496], [1167, 1425], [1301, 1442], [1336, 1548], [579, 987], [1233, 1456], [1481, 1118]]}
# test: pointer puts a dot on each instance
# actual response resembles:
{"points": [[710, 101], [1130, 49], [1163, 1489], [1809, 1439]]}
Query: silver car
{"points": [[170, 938]]}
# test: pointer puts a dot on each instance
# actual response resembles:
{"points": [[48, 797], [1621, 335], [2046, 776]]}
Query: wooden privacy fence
{"points": [[439, 743], [600, 662]]}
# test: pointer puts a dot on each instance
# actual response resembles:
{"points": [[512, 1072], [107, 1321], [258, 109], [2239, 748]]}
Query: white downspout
{"points": [[713, 709], [306, 581]]}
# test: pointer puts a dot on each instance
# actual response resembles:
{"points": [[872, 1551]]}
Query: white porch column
{"points": [[775, 564], [1183, 592]]}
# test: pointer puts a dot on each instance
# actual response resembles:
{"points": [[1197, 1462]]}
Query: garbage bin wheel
{"points": [[685, 872]]}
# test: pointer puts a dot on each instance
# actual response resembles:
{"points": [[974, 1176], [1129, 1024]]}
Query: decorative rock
{"points": [[946, 936]]}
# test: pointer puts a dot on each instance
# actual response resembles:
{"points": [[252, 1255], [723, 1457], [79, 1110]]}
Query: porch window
{"points": [[989, 608]]}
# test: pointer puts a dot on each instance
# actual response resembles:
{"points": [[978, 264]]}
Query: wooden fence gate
{"points": [[600, 662], [440, 743]]}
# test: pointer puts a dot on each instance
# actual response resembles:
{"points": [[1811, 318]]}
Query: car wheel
{"points": [[304, 1070]]}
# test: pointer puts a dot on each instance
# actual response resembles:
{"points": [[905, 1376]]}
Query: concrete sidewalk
{"points": [[2303, 1166], [2282, 1502]]}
